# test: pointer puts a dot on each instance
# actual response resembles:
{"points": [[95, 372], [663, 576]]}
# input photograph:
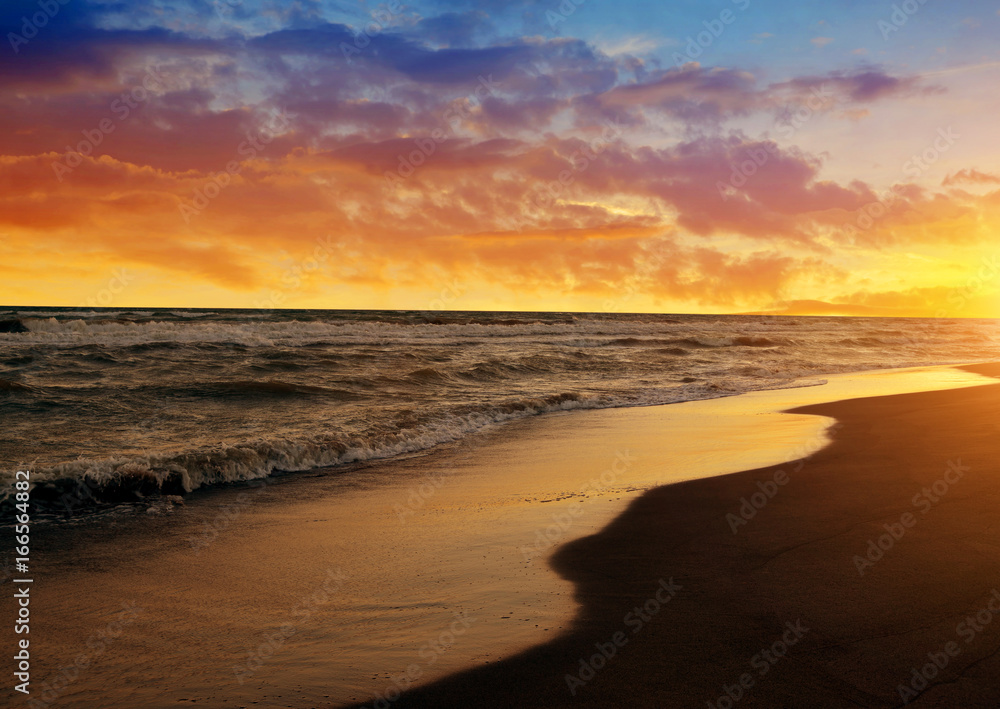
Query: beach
{"points": [[869, 580], [518, 553], [498, 355]]}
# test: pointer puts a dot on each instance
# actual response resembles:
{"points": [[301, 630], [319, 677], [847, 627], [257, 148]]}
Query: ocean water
{"points": [[106, 406]]}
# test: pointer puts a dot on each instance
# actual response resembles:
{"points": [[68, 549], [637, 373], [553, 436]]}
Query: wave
{"points": [[640, 342], [318, 329], [335, 388], [7, 385], [428, 375], [699, 342], [479, 319], [758, 342], [83, 484], [316, 332], [13, 325], [15, 361], [271, 387], [103, 314]]}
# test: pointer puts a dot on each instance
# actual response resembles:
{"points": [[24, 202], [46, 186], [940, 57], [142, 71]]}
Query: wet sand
{"points": [[316, 590], [800, 607]]}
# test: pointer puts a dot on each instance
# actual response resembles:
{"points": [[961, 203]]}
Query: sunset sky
{"points": [[725, 156]]}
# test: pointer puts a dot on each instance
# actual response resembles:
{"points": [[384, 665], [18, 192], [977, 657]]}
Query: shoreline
{"points": [[910, 623], [55, 497], [460, 550]]}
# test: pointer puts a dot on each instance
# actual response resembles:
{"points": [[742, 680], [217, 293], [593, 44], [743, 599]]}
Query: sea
{"points": [[106, 407]]}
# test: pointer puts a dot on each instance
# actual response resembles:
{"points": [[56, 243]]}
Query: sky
{"points": [[718, 156]]}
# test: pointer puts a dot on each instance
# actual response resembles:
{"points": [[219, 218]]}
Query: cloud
{"points": [[431, 146], [631, 45], [859, 86], [692, 93], [455, 29], [856, 114], [970, 177]]}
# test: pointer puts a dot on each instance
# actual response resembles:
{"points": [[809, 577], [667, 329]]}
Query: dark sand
{"points": [[793, 561]]}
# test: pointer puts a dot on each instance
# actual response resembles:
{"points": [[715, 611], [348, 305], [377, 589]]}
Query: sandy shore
{"points": [[319, 590], [800, 604]]}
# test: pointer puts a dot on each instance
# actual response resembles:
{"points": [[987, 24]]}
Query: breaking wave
{"points": [[110, 406]]}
